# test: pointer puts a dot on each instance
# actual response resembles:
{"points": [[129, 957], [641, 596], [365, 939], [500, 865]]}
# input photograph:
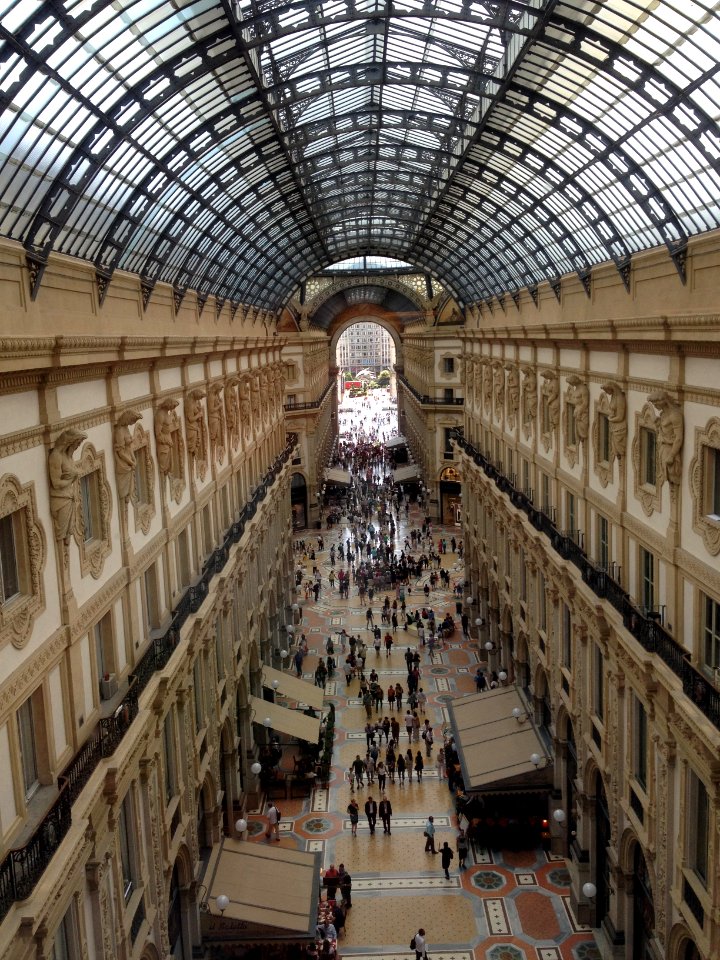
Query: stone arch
{"points": [[681, 944], [372, 318], [208, 812], [344, 282], [184, 863], [150, 951]]}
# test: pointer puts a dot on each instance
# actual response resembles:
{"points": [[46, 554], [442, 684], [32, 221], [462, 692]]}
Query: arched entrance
{"points": [[643, 910], [299, 501], [451, 496], [602, 861]]}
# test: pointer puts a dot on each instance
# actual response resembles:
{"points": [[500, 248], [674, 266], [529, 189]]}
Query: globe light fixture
{"points": [[241, 825], [479, 622], [283, 654], [535, 759], [559, 816], [589, 890], [267, 723], [222, 903], [489, 645], [502, 676], [290, 628], [256, 768], [517, 712], [295, 607], [275, 684]]}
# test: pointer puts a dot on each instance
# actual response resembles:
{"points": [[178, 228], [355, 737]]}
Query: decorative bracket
{"points": [[624, 268], [178, 297], [201, 301], [36, 265], [586, 280], [556, 287], [515, 294], [102, 281], [533, 291], [219, 304], [146, 289], [678, 254]]}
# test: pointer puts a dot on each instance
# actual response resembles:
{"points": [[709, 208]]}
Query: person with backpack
{"points": [[419, 945]]}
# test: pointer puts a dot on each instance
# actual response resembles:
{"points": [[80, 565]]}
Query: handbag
{"points": [[426, 834], [412, 943]]}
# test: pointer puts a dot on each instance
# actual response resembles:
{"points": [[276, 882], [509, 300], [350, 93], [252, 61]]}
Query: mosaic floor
{"points": [[503, 906]]}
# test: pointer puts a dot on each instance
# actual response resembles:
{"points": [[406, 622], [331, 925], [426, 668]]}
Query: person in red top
{"points": [[332, 881]]}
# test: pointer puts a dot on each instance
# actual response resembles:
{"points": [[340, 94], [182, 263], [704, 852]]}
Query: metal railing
{"points": [[22, 867], [428, 400], [310, 404], [647, 629]]}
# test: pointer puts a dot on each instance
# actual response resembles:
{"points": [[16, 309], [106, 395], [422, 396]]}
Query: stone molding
{"points": [[93, 552], [18, 614], [648, 495], [703, 524]]}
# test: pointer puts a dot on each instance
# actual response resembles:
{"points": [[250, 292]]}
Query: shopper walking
{"points": [[419, 766], [371, 812], [420, 945], [353, 810], [462, 848], [430, 835], [385, 811], [446, 858]]}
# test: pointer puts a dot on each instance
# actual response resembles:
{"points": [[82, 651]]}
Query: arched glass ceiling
{"points": [[240, 148], [368, 264]]}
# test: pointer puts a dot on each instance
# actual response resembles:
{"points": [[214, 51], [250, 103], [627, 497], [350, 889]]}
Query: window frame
{"points": [[697, 829], [18, 612]]}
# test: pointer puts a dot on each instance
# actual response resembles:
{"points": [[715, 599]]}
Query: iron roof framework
{"points": [[238, 149]]}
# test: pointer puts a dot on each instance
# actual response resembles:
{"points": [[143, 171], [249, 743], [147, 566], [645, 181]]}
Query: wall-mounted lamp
{"points": [[469, 601], [275, 684], [479, 622], [295, 607], [489, 645], [256, 768], [521, 716], [290, 628], [241, 825], [222, 903], [502, 676], [283, 654], [540, 762], [559, 816], [589, 890], [267, 722]]}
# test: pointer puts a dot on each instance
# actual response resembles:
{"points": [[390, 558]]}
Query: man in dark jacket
{"points": [[371, 812], [385, 811], [446, 856]]}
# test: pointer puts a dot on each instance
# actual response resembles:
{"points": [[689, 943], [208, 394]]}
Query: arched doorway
{"points": [[451, 496], [643, 908], [602, 861], [174, 917], [571, 768], [298, 501]]}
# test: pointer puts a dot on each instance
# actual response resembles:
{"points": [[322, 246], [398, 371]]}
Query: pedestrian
{"points": [[409, 762], [385, 811], [345, 886], [422, 700], [369, 621], [273, 818], [409, 724], [331, 881], [371, 812], [462, 848], [395, 729], [440, 761], [401, 769], [391, 696], [398, 696], [353, 810], [430, 835], [415, 727], [419, 766], [429, 738], [388, 644], [381, 771], [446, 857], [358, 765], [419, 945]]}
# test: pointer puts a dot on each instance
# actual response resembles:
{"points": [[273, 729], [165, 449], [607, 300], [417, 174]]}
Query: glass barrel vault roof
{"points": [[238, 148]]}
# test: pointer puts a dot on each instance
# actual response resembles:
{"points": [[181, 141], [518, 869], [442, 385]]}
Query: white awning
{"points": [[292, 722], [405, 473], [494, 747], [292, 688], [338, 476], [396, 441]]}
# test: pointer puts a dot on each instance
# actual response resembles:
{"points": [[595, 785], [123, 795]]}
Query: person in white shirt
{"points": [[273, 822], [420, 945]]}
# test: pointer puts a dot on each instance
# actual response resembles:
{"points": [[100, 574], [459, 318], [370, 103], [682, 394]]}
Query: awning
{"points": [[273, 891], [292, 722], [292, 688], [338, 476], [494, 747], [405, 473], [396, 441]]}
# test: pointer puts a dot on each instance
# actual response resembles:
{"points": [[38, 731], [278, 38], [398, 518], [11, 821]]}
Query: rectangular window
{"points": [[711, 632], [603, 438], [125, 832], [89, 507], [219, 652], [449, 394], [698, 826], [647, 579], [198, 696], [598, 683], [571, 510], [207, 530], [183, 559], [9, 566], [448, 445], [449, 365], [648, 462], [103, 642], [170, 762], [712, 482], [640, 744], [525, 475], [566, 637], [542, 603], [603, 543], [523, 578], [64, 945], [545, 497], [152, 606], [28, 754]]}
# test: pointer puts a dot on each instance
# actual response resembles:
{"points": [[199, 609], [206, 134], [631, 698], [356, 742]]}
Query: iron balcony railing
{"points": [[427, 400], [645, 627], [310, 404], [22, 867]]}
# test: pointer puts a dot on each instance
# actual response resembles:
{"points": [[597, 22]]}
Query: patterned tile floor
{"points": [[502, 907]]}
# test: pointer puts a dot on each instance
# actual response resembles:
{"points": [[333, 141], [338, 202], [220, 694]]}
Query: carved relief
{"points": [[92, 533], [143, 500], [170, 446], [487, 386], [649, 494], [477, 389], [551, 407], [19, 611], [125, 458], [670, 433], [513, 394], [216, 423], [196, 433], [246, 408], [529, 401], [232, 412], [575, 417], [617, 415], [255, 401], [64, 493], [499, 391], [705, 523], [609, 439]]}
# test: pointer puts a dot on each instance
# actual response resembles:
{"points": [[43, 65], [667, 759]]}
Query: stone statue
{"points": [[617, 418], [579, 395], [245, 408], [64, 483], [487, 385], [513, 394], [216, 422], [498, 390], [551, 395], [166, 423], [125, 456], [232, 412], [477, 389], [670, 433], [255, 400], [529, 397], [195, 430]]}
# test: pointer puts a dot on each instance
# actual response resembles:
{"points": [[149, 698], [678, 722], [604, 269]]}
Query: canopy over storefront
{"points": [[292, 688], [396, 441], [495, 747], [282, 720], [342, 477], [411, 472], [272, 893]]}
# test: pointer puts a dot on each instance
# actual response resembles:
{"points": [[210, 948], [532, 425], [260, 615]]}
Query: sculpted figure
{"points": [[166, 423], [125, 455], [670, 432], [529, 395], [617, 417], [551, 393], [498, 389], [64, 475], [255, 400], [579, 395], [216, 422], [487, 386], [245, 408], [232, 412], [195, 424], [513, 393]]}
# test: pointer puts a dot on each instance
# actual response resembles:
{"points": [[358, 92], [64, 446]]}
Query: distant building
{"points": [[365, 346]]}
